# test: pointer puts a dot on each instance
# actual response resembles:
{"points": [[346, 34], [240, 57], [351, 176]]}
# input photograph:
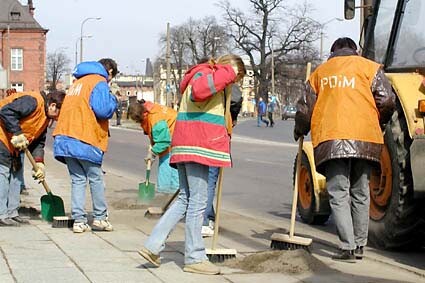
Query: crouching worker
{"points": [[81, 139], [158, 123], [24, 118]]}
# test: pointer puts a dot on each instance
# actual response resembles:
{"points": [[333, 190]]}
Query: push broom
{"points": [[292, 242], [214, 254]]}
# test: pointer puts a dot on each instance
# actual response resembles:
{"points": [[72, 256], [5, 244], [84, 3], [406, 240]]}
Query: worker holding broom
{"points": [[347, 103], [200, 140], [24, 119], [157, 122], [81, 139]]}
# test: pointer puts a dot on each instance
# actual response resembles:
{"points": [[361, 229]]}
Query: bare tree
{"points": [[57, 64], [269, 25]]}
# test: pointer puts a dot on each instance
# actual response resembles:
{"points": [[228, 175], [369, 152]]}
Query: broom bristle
{"points": [[220, 255], [62, 222], [278, 245]]}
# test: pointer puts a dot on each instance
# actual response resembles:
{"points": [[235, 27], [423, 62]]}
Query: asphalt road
{"points": [[260, 182]]}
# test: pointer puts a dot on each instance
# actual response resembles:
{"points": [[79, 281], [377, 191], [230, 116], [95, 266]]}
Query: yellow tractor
{"points": [[393, 35]]}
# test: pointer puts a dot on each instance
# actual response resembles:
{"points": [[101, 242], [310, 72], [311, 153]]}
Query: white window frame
{"points": [[17, 59], [18, 86]]}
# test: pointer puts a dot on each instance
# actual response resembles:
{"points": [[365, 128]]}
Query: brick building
{"points": [[22, 46]]}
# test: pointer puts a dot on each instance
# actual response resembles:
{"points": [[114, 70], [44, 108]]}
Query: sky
{"points": [[129, 30]]}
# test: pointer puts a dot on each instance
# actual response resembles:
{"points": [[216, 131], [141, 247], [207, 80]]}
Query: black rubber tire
{"points": [[309, 215], [402, 226]]}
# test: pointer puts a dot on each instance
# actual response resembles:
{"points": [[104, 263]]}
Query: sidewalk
{"points": [[40, 253]]}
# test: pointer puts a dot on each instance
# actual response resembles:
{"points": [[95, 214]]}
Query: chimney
{"points": [[31, 7]]}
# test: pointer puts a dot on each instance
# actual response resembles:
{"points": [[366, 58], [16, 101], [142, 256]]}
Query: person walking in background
{"points": [[157, 121], [209, 215], [24, 119], [270, 109], [346, 121], [261, 111], [118, 112], [81, 139], [200, 140]]}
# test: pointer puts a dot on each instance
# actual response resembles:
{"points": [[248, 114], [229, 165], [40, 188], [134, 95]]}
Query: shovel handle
{"points": [[35, 168]]}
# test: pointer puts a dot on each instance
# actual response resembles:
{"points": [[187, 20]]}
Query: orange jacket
{"points": [[32, 125], [77, 119], [345, 106], [155, 113]]}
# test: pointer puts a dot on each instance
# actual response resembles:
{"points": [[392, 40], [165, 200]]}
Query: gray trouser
{"points": [[348, 187]]}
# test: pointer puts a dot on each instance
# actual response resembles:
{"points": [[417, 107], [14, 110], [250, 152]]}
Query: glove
{"points": [[297, 135], [151, 156], [20, 142], [39, 174]]}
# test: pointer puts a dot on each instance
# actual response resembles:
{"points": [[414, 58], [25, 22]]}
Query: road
{"points": [[259, 182]]}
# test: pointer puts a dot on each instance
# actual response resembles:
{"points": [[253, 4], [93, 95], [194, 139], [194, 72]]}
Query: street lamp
{"points": [[81, 35], [76, 47], [322, 25]]}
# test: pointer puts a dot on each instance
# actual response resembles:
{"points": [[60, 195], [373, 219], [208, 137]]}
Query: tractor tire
{"points": [[396, 221], [306, 198]]}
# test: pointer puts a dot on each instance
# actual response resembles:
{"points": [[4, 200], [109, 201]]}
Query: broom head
{"points": [[285, 242], [220, 255]]}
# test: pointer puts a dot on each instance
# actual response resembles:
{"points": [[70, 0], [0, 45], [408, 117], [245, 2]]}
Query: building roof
{"points": [[17, 16]]}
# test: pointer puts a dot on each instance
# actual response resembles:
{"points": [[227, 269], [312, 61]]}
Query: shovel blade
{"points": [[146, 191], [51, 205]]}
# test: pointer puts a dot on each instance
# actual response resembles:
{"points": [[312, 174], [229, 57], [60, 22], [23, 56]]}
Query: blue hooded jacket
{"points": [[103, 104]]}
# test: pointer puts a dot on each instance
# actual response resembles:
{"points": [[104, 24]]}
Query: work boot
{"points": [[8, 222], [80, 227], [345, 255], [203, 267], [20, 220], [358, 252], [151, 257], [102, 225]]}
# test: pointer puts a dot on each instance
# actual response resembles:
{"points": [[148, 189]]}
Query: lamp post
{"points": [[322, 25], [81, 35], [76, 47]]}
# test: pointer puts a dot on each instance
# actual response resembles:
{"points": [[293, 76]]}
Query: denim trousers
{"points": [[212, 182], [81, 171], [191, 203], [168, 177], [347, 181], [260, 119], [10, 191]]}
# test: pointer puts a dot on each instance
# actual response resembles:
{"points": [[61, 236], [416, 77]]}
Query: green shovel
{"points": [[146, 188], [51, 205]]}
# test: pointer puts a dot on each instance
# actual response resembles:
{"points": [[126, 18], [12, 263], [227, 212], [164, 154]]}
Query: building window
{"points": [[17, 59], [18, 86]]}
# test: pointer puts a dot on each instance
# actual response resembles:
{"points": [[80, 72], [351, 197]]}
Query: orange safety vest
{"points": [[345, 107], [156, 113], [77, 119], [32, 125]]}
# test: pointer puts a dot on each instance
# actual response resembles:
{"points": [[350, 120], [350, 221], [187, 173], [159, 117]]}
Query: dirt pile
{"points": [[289, 262]]}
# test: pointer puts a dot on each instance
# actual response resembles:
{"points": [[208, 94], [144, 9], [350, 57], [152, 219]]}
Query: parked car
{"points": [[288, 111]]}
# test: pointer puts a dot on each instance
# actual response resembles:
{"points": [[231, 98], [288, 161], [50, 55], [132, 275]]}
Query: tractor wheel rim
{"points": [[304, 188], [380, 186]]}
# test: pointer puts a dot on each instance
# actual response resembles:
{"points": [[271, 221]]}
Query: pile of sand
{"points": [[290, 262]]}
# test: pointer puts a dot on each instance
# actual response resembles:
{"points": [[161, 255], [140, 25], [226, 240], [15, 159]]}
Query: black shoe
{"points": [[345, 255], [8, 222], [358, 252], [20, 220]]}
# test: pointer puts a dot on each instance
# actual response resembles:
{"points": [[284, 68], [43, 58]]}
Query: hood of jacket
{"points": [[191, 73], [89, 68]]}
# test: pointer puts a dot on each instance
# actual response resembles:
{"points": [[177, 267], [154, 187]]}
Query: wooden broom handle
{"points": [[217, 208], [35, 168], [295, 196]]}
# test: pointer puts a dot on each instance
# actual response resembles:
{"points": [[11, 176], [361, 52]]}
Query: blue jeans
{"points": [[9, 192], [260, 119], [191, 202], [81, 171], [212, 182]]}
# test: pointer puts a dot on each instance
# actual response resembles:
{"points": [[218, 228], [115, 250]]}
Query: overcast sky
{"points": [[129, 29]]}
